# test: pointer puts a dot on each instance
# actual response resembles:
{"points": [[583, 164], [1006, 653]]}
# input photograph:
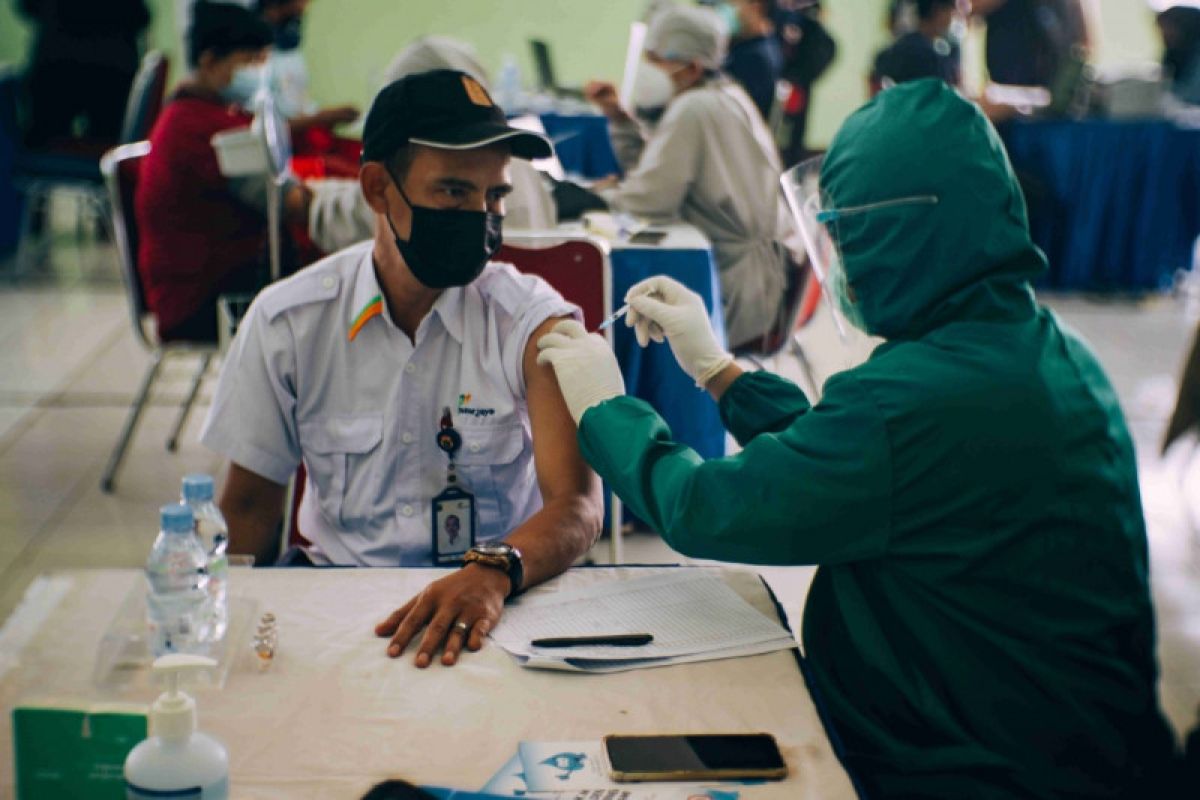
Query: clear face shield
{"points": [[817, 220]]}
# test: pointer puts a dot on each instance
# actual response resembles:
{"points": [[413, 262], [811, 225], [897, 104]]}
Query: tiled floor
{"points": [[70, 366]]}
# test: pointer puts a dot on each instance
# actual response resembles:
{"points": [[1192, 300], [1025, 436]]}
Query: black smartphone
{"points": [[685, 757], [647, 237]]}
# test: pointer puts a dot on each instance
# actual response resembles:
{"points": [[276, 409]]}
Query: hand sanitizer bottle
{"points": [[177, 760]]}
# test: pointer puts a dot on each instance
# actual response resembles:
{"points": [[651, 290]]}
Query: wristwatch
{"points": [[502, 556]]}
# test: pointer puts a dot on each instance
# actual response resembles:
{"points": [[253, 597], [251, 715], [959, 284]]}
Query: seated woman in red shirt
{"points": [[201, 234]]}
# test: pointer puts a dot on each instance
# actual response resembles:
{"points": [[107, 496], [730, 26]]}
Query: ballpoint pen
{"points": [[616, 640], [620, 312]]}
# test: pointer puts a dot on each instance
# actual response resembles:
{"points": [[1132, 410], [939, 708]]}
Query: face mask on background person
{"points": [[447, 246], [287, 33], [733, 24], [244, 85], [652, 91]]}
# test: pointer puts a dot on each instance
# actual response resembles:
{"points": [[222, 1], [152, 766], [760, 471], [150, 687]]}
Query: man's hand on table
{"points": [[474, 596]]}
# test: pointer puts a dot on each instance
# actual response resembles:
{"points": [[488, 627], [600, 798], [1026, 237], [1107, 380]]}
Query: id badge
{"points": [[453, 525]]}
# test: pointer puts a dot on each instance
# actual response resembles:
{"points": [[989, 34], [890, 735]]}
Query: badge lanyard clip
{"points": [[454, 507]]}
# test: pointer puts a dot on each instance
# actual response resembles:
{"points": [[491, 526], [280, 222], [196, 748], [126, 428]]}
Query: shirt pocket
{"points": [[341, 455], [492, 470]]}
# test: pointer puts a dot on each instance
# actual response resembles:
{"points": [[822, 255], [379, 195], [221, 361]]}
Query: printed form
{"points": [[693, 616]]}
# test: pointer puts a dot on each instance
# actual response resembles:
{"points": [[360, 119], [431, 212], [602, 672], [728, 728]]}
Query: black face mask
{"points": [[448, 247], [287, 33]]}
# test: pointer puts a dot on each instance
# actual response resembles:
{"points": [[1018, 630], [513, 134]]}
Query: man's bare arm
{"points": [[253, 508]]}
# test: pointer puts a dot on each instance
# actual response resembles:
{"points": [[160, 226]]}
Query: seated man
{"points": [[402, 372], [202, 234], [711, 162]]}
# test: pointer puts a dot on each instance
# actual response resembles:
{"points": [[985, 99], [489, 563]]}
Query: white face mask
{"points": [[652, 87], [245, 84]]}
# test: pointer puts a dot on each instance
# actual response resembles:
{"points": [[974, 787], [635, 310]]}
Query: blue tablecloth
{"points": [[1114, 205], [581, 142], [652, 373]]}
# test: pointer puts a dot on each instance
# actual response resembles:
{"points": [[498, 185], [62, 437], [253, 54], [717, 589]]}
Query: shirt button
{"points": [[407, 438], [407, 511], [410, 368], [328, 281]]}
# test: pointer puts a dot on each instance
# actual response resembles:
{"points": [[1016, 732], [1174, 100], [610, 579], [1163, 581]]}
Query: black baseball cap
{"points": [[446, 109]]}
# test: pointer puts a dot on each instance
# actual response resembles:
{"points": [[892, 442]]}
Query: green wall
{"points": [[348, 43]]}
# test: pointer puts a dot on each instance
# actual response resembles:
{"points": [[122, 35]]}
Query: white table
{"points": [[334, 715]]}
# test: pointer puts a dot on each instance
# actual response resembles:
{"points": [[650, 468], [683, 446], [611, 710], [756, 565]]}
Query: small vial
{"points": [[265, 640]]}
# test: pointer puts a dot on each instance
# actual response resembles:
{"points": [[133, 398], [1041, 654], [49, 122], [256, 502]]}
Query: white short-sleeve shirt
{"points": [[319, 372]]}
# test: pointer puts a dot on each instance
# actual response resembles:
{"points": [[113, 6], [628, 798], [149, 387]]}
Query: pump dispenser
{"points": [[177, 758]]}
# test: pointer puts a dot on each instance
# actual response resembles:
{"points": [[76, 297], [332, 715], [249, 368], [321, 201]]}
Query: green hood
{"points": [[914, 268]]}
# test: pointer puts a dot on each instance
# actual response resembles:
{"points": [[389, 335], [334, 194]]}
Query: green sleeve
{"points": [[817, 492], [760, 402]]}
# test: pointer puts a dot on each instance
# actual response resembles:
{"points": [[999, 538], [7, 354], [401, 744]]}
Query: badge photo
{"points": [[453, 525]]}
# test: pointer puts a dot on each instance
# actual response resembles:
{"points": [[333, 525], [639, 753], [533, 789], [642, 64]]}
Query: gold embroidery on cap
{"points": [[476, 93]]}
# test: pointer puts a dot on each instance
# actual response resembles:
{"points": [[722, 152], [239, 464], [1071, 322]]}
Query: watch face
{"points": [[493, 549]]}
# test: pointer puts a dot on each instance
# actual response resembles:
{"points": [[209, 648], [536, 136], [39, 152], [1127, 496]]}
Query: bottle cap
{"points": [[177, 518], [197, 488], [173, 715]]}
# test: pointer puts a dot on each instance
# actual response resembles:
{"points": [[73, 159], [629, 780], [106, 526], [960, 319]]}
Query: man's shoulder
{"points": [[321, 283], [504, 286]]}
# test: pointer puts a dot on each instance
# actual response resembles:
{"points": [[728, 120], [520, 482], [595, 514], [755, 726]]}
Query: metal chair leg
{"points": [[34, 199], [185, 409], [131, 421], [616, 545]]}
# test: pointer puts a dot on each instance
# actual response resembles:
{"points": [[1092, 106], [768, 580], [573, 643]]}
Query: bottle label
{"points": [[218, 790], [135, 792]]}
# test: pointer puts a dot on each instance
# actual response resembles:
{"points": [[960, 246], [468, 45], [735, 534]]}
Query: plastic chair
{"points": [[146, 97], [578, 267], [800, 302], [120, 168], [74, 165]]}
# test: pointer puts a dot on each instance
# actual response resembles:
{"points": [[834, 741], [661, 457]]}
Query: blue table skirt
{"points": [[652, 373], [582, 144], [1114, 205]]}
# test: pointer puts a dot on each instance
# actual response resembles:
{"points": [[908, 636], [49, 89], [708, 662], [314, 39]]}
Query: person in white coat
{"points": [[339, 216], [709, 161]]}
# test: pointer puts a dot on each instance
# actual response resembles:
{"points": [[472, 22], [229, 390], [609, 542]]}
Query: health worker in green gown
{"points": [[981, 623]]}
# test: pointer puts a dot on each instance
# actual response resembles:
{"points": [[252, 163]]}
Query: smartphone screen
{"points": [[749, 755], [647, 237]]}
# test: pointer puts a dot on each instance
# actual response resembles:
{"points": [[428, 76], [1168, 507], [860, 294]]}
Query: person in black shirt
{"points": [[755, 58], [1029, 40], [84, 57], [926, 52]]}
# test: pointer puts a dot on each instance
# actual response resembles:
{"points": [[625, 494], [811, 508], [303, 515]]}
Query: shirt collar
{"points": [[368, 303]]}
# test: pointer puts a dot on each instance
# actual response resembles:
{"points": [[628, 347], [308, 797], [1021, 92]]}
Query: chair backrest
{"points": [[145, 97], [10, 103], [120, 168], [796, 308], [576, 265]]}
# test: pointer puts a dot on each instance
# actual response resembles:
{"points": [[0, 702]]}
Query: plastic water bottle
{"points": [[214, 537], [177, 580], [508, 88]]}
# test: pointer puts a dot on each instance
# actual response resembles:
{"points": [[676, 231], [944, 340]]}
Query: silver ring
{"points": [[462, 626]]}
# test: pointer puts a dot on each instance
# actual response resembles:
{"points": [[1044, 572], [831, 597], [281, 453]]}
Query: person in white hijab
{"points": [[709, 161], [339, 216]]}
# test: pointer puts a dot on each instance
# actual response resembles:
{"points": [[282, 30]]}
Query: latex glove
{"points": [[663, 308], [585, 365]]}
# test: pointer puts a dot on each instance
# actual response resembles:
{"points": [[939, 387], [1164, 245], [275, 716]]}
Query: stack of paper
{"points": [[692, 615]]}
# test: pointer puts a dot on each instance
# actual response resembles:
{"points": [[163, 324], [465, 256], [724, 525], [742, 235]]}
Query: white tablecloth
{"points": [[334, 715]]}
